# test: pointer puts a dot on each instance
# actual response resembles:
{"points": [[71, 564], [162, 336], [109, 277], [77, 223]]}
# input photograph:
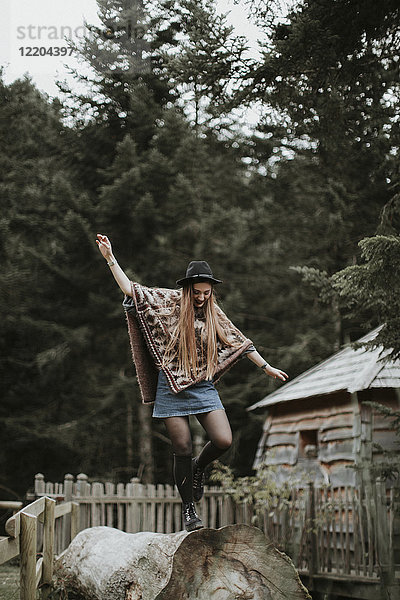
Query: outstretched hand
{"points": [[104, 245], [276, 373]]}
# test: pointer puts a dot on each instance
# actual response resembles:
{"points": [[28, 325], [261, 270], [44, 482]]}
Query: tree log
{"points": [[232, 563]]}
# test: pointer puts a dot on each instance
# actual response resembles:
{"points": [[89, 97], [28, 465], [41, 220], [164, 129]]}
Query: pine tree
{"points": [[159, 194], [39, 337]]}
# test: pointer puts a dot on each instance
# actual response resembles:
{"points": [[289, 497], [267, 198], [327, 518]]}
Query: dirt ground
{"points": [[9, 581]]}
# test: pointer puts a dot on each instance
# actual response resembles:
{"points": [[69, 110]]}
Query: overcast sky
{"points": [[43, 23]]}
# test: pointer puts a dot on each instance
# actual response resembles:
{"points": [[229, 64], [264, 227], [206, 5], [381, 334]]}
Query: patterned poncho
{"points": [[152, 316]]}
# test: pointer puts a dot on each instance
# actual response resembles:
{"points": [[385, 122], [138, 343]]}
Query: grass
{"points": [[9, 581]]}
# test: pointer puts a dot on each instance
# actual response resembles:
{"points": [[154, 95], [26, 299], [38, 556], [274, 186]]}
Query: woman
{"points": [[182, 343]]}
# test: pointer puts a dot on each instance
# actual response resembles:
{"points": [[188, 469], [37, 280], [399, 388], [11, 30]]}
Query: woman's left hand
{"points": [[276, 373]]}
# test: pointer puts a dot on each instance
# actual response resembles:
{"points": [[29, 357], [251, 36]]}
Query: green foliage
{"points": [[55, 357], [328, 83], [372, 289], [318, 280], [331, 66], [207, 64], [259, 490], [157, 161]]}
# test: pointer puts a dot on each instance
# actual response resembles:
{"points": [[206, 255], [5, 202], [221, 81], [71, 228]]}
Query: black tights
{"points": [[216, 425]]}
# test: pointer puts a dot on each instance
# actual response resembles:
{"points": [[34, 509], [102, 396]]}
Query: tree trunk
{"points": [[234, 562], [129, 435], [146, 442]]}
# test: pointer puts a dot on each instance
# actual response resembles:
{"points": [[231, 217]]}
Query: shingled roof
{"points": [[348, 370]]}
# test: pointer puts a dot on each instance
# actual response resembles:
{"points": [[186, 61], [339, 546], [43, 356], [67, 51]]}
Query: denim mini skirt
{"points": [[201, 397]]}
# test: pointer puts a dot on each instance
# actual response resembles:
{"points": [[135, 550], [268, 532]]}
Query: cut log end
{"points": [[234, 562]]}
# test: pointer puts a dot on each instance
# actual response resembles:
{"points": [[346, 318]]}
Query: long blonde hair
{"points": [[182, 343]]}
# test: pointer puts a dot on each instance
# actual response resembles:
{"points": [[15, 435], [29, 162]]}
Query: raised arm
{"points": [[257, 359], [105, 248]]}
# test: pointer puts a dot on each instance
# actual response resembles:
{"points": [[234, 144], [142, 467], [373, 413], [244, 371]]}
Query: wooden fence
{"points": [[345, 531], [33, 528], [333, 534]]}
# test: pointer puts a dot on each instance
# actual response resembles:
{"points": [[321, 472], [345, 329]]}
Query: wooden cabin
{"points": [[317, 426]]}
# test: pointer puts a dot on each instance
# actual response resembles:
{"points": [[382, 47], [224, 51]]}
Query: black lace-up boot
{"points": [[198, 481], [191, 519], [184, 483]]}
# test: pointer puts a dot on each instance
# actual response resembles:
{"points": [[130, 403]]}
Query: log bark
{"points": [[232, 563]]}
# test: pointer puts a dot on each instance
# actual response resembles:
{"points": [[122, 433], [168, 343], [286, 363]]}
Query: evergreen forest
{"points": [[298, 212]]}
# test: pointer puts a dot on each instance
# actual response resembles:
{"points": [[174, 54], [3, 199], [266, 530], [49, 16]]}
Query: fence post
{"points": [[66, 532], [385, 557], [48, 546], [39, 484], [28, 537], [313, 559], [81, 484], [74, 519], [68, 483], [137, 507], [81, 489]]}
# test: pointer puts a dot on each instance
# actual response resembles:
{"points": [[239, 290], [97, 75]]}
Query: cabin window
{"points": [[308, 443]]}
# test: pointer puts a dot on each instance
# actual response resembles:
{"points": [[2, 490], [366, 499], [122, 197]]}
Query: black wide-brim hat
{"points": [[198, 270]]}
